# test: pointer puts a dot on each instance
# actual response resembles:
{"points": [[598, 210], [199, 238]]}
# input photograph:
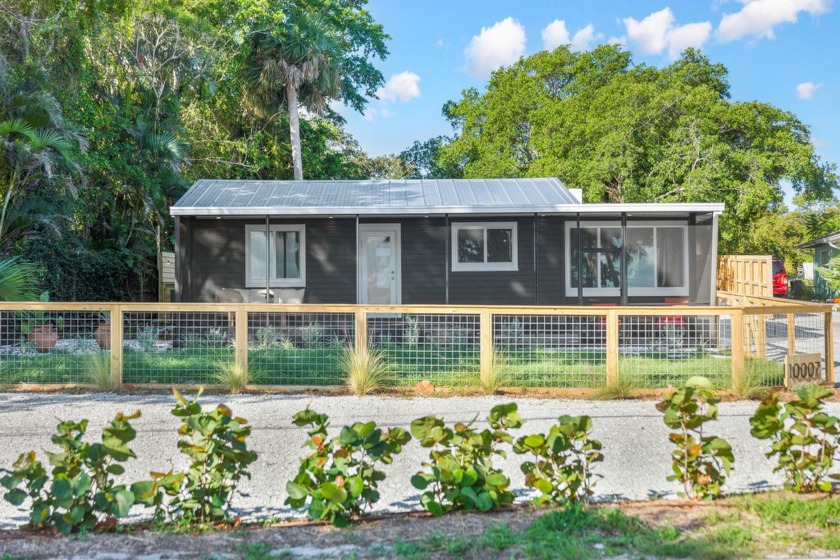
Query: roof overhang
{"points": [[824, 240], [564, 209]]}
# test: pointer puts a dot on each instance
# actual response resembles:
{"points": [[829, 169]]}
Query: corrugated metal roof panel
{"points": [[386, 197]]}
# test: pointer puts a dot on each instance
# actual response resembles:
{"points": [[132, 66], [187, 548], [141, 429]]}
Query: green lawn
{"points": [[445, 366]]}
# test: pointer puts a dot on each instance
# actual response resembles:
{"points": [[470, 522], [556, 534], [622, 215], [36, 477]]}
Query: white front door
{"points": [[379, 264]]}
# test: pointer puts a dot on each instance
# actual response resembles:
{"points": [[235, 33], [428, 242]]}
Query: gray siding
{"points": [[506, 287], [212, 257]]}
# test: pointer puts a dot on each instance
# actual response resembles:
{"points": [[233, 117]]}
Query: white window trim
{"points": [[631, 291], [273, 281], [484, 266]]}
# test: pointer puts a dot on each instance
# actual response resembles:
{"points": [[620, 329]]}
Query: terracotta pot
{"points": [[103, 335], [43, 337]]}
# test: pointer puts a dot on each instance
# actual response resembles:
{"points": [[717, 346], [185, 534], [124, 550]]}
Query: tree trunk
{"points": [[294, 130]]}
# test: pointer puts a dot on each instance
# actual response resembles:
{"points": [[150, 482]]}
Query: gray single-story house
{"points": [[464, 241], [825, 248]]}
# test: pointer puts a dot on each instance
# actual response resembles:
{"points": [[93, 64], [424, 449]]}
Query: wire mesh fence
{"points": [[53, 346], [664, 350], [298, 348], [769, 337], [563, 351], [303, 345], [441, 348], [180, 347]]}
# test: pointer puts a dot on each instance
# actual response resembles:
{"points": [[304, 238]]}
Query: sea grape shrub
{"points": [[79, 492], [459, 474], [219, 457], [804, 438], [339, 478], [700, 462], [562, 465]]}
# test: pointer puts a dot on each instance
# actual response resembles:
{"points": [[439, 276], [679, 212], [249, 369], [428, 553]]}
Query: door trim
{"points": [[362, 253]]}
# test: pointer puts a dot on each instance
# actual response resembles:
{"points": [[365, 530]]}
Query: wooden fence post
{"points": [[361, 330], [737, 346], [791, 332], [829, 348], [485, 330], [612, 348], [241, 349], [116, 315]]}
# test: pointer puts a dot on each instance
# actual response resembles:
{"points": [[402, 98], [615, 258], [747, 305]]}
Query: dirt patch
{"points": [[374, 537]]}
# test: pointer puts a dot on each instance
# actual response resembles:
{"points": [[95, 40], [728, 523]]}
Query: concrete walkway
{"points": [[635, 440]]}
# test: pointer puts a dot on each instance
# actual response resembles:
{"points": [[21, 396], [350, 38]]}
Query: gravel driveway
{"points": [[635, 439]]}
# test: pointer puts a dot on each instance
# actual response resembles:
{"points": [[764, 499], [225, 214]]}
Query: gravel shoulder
{"points": [[635, 440]]}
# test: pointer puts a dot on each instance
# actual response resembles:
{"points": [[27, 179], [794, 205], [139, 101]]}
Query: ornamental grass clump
{"points": [[233, 376], [561, 468], [700, 462], [338, 480], [804, 438], [214, 441], [79, 492], [365, 371], [99, 372], [460, 474]]}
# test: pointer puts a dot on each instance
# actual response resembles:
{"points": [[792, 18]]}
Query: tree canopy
{"points": [[634, 133]]}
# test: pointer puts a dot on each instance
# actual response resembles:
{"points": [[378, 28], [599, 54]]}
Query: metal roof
{"points": [[397, 198], [824, 240]]}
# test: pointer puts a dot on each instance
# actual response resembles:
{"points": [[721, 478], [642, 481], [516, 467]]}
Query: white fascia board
{"points": [[568, 209]]}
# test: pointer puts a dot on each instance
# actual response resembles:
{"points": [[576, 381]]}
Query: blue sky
{"points": [[784, 52]]}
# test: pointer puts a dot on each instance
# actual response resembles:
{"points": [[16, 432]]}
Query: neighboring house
{"points": [[466, 241], [825, 248]]}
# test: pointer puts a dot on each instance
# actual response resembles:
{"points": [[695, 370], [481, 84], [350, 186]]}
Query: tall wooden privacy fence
{"points": [[750, 275], [302, 345]]}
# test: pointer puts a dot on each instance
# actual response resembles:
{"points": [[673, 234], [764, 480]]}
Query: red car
{"points": [[780, 279]]}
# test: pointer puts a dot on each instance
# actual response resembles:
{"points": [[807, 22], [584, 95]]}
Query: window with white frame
{"points": [[484, 246], [657, 259], [284, 260]]}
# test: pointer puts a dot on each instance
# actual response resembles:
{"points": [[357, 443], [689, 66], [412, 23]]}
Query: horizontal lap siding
{"points": [[551, 261], [499, 288], [218, 258], [423, 261]]}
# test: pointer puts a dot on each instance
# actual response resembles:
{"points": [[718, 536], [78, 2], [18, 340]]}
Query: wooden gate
{"points": [[749, 275]]}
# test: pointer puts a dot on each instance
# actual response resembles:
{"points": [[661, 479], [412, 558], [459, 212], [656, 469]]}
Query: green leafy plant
{"points": [[562, 466], [460, 473], [338, 479], [147, 338], [217, 338], [79, 493], [411, 333], [830, 273], [700, 462], [214, 441], [266, 337], [313, 335], [805, 439], [364, 371]]}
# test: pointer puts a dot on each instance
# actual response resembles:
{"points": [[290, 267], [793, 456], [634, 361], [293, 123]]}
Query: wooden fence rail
{"points": [[626, 341]]}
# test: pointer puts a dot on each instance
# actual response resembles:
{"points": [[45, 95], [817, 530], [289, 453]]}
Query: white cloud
{"points": [[758, 17], [657, 32], [806, 90], [651, 34], [689, 35], [584, 38], [402, 87], [441, 43], [555, 34], [499, 45]]}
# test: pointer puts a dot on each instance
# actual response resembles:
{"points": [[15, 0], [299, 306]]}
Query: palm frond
{"points": [[18, 280]]}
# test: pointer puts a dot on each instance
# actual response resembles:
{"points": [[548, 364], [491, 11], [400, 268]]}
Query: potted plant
{"points": [[102, 334], [40, 330]]}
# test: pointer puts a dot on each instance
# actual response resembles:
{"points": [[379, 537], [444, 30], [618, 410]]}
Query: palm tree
{"points": [[18, 280], [299, 62]]}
